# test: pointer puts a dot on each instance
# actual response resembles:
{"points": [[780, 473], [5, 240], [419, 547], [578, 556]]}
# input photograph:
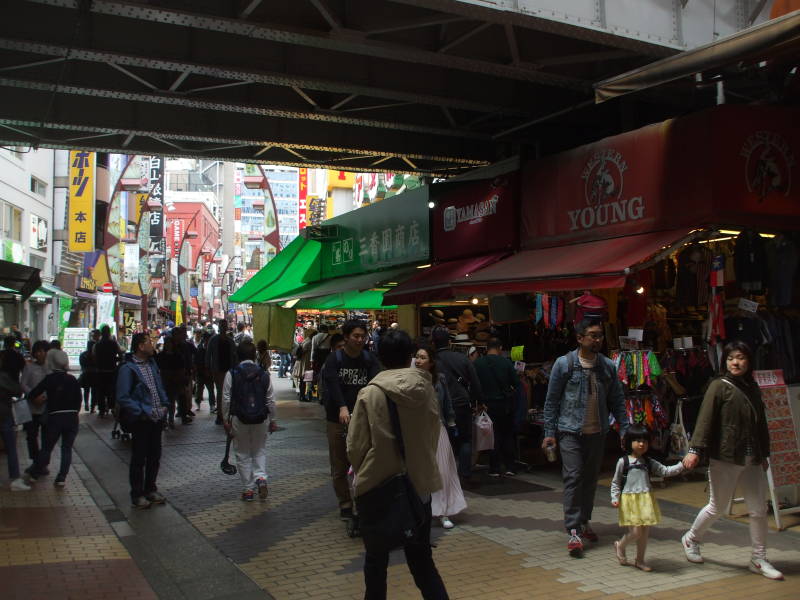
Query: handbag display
{"points": [[392, 514]]}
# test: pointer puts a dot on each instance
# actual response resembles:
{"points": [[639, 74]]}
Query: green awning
{"points": [[304, 267], [54, 291], [367, 300], [343, 285], [41, 294], [289, 264]]}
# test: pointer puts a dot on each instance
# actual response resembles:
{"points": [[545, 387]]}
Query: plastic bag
{"points": [[678, 438], [483, 437], [308, 376], [21, 410]]}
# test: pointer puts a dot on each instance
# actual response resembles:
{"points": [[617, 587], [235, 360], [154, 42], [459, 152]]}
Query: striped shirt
{"points": [[149, 378]]}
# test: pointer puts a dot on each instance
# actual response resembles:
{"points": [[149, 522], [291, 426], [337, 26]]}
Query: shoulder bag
{"points": [[392, 514]]}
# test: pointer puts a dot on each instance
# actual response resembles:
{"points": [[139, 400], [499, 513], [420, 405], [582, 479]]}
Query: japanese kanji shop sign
{"points": [[388, 233], [81, 201], [158, 244], [784, 450]]}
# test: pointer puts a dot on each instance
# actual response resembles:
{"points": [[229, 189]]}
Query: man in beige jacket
{"points": [[374, 453]]}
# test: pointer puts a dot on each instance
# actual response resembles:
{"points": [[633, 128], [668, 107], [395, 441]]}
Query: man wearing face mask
{"points": [[583, 389]]}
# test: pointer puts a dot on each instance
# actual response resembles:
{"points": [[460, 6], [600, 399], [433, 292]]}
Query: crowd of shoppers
{"points": [[393, 408]]}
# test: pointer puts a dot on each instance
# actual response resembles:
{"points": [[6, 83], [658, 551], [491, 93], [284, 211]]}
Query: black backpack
{"points": [[249, 385]]}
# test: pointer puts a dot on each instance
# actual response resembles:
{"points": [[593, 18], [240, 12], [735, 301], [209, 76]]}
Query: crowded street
{"points": [[206, 544]]}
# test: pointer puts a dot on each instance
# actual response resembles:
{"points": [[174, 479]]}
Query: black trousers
{"points": [[145, 456], [419, 559], [32, 429], [104, 390], [462, 443], [505, 451]]}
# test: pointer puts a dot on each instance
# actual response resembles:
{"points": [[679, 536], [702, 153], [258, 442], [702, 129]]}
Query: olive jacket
{"points": [[731, 414]]}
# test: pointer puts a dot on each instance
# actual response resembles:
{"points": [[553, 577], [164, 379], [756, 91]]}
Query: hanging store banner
{"points": [[105, 311], [64, 313], [729, 165], [175, 230], [475, 218], [130, 263], [158, 247], [385, 234], [303, 197], [81, 201]]}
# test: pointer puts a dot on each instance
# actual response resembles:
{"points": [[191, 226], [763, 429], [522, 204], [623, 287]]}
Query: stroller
{"points": [[352, 526]]}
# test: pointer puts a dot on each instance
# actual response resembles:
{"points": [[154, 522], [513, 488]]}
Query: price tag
{"points": [[748, 305], [768, 378], [636, 334]]}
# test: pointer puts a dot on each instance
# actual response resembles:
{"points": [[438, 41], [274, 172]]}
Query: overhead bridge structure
{"points": [[436, 87]]}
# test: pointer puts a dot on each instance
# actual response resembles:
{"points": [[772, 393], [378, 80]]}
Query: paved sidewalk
{"points": [[293, 546], [59, 544]]}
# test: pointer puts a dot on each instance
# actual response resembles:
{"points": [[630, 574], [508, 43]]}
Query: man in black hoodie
{"points": [[465, 390], [63, 404]]}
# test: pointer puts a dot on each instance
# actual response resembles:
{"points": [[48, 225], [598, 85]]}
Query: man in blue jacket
{"points": [[583, 389], [143, 407]]}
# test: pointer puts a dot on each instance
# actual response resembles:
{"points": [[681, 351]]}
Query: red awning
{"points": [[436, 283], [591, 265]]}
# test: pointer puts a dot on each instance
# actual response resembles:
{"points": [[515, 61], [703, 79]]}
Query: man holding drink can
{"points": [[583, 389]]}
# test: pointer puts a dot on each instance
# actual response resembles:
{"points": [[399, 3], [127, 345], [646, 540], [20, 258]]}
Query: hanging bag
{"points": [[392, 514], [21, 410], [678, 439], [483, 435]]}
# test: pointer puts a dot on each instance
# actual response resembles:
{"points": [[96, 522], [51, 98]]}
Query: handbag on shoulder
{"points": [[392, 514]]}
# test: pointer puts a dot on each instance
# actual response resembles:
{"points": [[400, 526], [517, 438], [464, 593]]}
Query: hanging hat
{"points": [[480, 317], [437, 314], [462, 339], [467, 316]]}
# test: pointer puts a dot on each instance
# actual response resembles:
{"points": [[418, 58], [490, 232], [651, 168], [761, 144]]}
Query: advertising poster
{"points": [[105, 311]]}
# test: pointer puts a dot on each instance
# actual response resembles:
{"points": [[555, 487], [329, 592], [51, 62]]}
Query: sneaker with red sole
{"points": [[248, 496], [588, 534], [575, 545]]}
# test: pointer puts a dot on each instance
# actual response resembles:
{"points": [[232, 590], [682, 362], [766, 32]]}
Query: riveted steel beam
{"points": [[239, 76], [351, 43], [181, 101]]}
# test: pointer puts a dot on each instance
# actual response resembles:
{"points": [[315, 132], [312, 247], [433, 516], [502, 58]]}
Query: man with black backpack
{"points": [[248, 404], [220, 358], [465, 390], [345, 373]]}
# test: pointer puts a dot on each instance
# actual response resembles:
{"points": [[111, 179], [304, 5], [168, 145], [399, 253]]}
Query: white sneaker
{"points": [[691, 549], [19, 486], [447, 523], [762, 567]]}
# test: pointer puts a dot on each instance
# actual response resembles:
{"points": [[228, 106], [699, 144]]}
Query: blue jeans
{"points": [[59, 425], [9, 434]]}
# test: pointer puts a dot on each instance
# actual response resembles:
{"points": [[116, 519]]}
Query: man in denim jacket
{"points": [[583, 389], [143, 407]]}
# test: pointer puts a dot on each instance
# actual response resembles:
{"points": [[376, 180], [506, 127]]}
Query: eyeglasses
{"points": [[594, 336]]}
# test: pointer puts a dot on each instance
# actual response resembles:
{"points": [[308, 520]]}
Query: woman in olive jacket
{"points": [[732, 430]]}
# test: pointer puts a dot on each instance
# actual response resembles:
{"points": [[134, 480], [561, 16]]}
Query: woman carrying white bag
{"points": [[450, 499]]}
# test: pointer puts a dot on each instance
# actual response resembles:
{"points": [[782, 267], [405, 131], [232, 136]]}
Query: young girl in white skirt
{"points": [[632, 492], [450, 499]]}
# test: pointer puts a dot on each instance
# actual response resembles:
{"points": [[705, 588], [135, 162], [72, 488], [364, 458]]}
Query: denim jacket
{"points": [[133, 394], [565, 406]]}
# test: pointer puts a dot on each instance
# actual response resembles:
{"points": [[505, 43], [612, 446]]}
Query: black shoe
{"points": [[345, 514], [218, 422], [212, 410], [191, 413]]}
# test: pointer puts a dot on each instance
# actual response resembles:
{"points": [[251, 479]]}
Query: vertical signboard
{"points": [[784, 456], [81, 201], [303, 198], [158, 244]]}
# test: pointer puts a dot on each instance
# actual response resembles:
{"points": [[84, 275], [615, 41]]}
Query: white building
{"points": [[26, 223]]}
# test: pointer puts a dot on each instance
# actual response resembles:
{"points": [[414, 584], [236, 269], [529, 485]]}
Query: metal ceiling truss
{"points": [[428, 86]]}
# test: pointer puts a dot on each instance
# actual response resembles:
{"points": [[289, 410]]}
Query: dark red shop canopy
{"points": [[590, 265], [436, 282]]}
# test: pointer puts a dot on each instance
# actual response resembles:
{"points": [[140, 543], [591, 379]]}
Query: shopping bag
{"points": [[308, 376], [483, 436], [678, 438], [21, 410]]}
